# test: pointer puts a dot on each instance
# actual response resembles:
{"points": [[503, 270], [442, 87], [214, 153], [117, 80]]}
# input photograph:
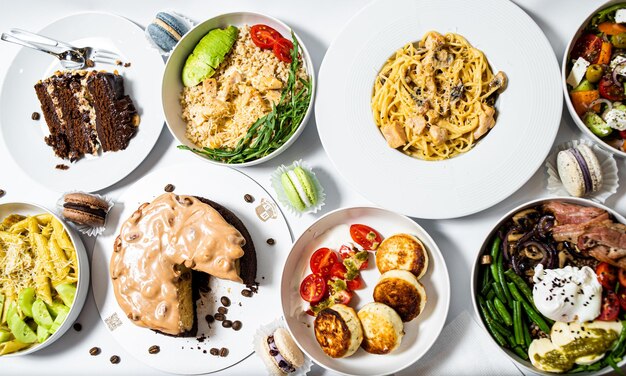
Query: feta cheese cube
{"points": [[578, 72], [617, 60], [620, 16], [615, 119]]}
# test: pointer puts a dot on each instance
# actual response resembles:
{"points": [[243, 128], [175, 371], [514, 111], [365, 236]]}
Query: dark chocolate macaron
{"points": [[166, 30], [85, 209]]}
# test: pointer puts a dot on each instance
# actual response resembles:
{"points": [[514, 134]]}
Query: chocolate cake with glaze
{"points": [[163, 249], [86, 111]]}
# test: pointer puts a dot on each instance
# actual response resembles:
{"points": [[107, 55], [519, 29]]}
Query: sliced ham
{"points": [[572, 214], [570, 232]]}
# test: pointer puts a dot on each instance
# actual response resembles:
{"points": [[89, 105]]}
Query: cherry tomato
{"points": [[282, 49], [338, 270], [622, 134], [343, 297], [313, 288], [356, 283], [609, 89], [365, 236], [610, 307], [347, 251], [621, 296], [322, 260], [264, 36], [588, 46], [607, 275], [309, 312]]}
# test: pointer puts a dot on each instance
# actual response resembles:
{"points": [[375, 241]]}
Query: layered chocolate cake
{"points": [[86, 111], [163, 247]]}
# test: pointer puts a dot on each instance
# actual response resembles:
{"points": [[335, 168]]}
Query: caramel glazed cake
{"points": [[85, 111], [162, 249]]}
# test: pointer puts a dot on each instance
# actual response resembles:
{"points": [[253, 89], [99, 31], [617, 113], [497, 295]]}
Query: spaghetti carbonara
{"points": [[435, 98]]}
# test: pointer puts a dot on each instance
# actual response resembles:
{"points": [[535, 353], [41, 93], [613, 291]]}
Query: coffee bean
{"points": [[169, 188], [35, 116], [222, 310], [219, 316], [115, 359], [271, 241], [237, 325], [94, 351], [225, 301], [214, 351], [223, 352], [78, 327], [154, 349], [248, 198], [209, 319], [227, 323], [247, 293]]}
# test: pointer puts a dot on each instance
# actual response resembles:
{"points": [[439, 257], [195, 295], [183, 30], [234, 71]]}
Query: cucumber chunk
{"points": [[67, 291], [25, 300], [41, 315], [4, 336], [58, 321], [56, 308], [21, 330], [595, 123], [584, 85], [42, 334]]}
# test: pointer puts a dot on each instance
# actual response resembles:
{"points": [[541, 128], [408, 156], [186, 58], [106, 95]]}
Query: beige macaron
{"points": [[579, 170]]}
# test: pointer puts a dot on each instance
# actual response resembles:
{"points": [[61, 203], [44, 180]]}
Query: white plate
{"points": [[82, 285], [24, 138], [529, 111], [421, 332], [181, 355]]}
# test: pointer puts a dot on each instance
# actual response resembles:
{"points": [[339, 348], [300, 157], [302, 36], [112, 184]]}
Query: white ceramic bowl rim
{"points": [[310, 69], [475, 272], [570, 107]]}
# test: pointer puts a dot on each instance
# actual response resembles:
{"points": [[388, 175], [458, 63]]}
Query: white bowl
{"points": [[82, 285], [420, 333], [570, 107], [172, 84], [525, 364]]}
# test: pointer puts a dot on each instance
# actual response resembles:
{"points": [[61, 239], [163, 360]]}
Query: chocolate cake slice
{"points": [[86, 110]]}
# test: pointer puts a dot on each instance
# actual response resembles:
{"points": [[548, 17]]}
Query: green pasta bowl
{"points": [[549, 286], [44, 278]]}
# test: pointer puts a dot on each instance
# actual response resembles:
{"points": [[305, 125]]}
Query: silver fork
{"points": [[97, 55], [69, 59]]}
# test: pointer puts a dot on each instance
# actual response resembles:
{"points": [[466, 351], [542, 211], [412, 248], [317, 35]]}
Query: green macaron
{"points": [[299, 188]]}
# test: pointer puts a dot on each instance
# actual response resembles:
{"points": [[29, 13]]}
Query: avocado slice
{"points": [[42, 334], [25, 300], [4, 336], [208, 54], [41, 315], [595, 123], [67, 291]]}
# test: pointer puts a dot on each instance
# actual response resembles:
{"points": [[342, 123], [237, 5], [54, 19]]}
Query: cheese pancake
{"points": [[403, 252], [400, 290], [338, 331], [382, 328]]}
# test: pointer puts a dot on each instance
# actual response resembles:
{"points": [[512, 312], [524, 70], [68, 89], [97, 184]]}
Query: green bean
{"points": [[493, 312], [498, 290], [521, 284], [486, 278], [486, 288], [577, 369], [502, 311], [517, 322], [613, 365], [618, 350], [526, 332], [489, 324], [530, 311], [507, 294], [491, 294], [495, 251], [501, 329], [520, 352]]}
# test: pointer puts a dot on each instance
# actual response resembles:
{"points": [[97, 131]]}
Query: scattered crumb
{"points": [[62, 166], [126, 65], [2, 192], [89, 63], [118, 62]]}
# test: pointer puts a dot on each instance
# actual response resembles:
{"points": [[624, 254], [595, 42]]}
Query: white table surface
{"points": [[317, 22]]}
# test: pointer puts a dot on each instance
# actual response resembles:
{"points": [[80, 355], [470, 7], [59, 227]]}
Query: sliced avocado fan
{"points": [[208, 54]]}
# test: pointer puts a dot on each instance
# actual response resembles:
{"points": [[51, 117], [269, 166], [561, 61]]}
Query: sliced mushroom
{"points": [[499, 82]]}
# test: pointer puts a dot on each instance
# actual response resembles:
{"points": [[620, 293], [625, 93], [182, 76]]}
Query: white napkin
{"points": [[463, 349]]}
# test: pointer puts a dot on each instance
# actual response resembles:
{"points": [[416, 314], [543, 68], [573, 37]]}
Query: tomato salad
{"points": [[596, 75], [335, 273]]}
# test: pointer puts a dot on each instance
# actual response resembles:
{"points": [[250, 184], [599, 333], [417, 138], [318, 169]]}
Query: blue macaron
{"points": [[166, 30]]}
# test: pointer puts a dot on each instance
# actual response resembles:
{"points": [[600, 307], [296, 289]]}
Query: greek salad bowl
{"points": [[233, 94], [542, 293], [594, 76], [47, 263]]}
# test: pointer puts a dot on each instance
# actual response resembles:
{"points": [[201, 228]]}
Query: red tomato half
{"points": [[356, 283], [588, 46], [607, 275], [622, 134], [338, 270], [282, 49], [346, 251], [343, 297], [365, 236], [313, 288], [610, 307], [609, 89], [264, 36], [322, 261]]}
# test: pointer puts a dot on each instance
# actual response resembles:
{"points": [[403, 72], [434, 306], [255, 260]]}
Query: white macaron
{"points": [[579, 170], [282, 356]]}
